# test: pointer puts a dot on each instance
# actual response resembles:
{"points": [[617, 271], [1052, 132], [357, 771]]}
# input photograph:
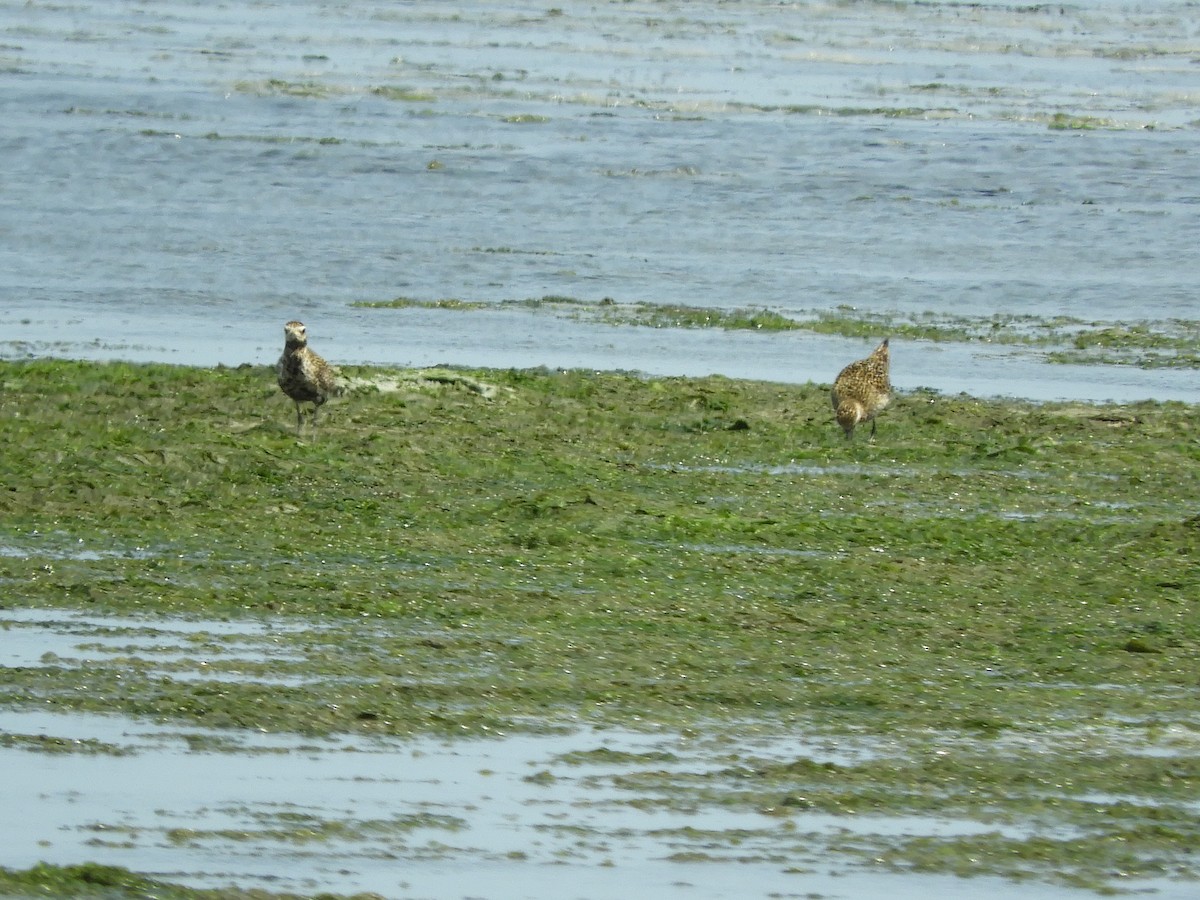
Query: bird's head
{"points": [[849, 414], [295, 334]]}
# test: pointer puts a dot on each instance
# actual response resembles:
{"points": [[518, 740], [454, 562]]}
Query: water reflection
{"points": [[423, 817], [603, 807]]}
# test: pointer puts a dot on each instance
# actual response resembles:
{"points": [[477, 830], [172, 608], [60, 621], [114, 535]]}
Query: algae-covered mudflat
{"points": [[990, 611]]}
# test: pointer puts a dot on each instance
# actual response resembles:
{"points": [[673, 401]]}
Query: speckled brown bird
{"points": [[303, 375], [862, 390]]}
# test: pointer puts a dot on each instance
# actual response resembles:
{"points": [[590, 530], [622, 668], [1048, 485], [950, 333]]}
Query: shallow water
{"points": [[184, 178], [583, 811], [431, 818], [183, 648]]}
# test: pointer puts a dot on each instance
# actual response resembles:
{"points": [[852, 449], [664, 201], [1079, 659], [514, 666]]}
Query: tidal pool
{"points": [[574, 811], [184, 648], [508, 817]]}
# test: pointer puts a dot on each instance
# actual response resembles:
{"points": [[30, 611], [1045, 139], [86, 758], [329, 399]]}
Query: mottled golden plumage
{"points": [[303, 375], [862, 389]]}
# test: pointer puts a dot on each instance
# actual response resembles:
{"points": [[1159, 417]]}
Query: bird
{"points": [[303, 374], [862, 389]]}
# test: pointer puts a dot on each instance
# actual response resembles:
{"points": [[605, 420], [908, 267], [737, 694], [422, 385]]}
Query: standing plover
{"points": [[862, 389], [303, 375]]}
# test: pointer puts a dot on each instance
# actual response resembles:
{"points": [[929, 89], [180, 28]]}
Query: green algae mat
{"points": [[1001, 597]]}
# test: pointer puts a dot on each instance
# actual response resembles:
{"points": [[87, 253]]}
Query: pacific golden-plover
{"points": [[303, 375], [862, 389]]}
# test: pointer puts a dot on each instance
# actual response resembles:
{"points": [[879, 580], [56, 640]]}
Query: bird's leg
{"points": [[872, 429], [299, 419]]}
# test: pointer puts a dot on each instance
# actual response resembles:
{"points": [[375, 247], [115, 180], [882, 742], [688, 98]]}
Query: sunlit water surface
{"points": [[183, 177], [582, 812]]}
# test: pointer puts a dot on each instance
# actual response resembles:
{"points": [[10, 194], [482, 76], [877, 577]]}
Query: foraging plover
{"points": [[862, 389], [303, 375]]}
